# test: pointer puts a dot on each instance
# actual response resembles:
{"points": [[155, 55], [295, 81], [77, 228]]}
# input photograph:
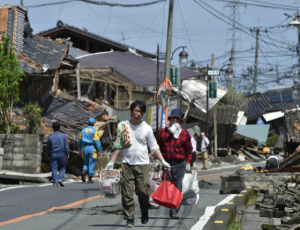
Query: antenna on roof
{"points": [[124, 38]]}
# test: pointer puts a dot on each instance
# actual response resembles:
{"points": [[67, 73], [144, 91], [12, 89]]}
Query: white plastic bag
{"points": [[154, 181], [193, 200], [190, 184]]}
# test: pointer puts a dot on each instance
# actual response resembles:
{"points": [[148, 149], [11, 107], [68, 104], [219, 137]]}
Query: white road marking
{"points": [[34, 185], [209, 211], [9, 188]]}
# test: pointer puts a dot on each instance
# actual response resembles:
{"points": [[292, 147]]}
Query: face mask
{"points": [[175, 129]]}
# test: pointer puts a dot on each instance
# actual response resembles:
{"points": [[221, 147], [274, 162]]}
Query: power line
{"points": [[187, 31], [100, 3], [268, 5]]}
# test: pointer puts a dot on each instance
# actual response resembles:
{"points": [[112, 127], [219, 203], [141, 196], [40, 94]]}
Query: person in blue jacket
{"points": [[88, 141], [57, 150]]}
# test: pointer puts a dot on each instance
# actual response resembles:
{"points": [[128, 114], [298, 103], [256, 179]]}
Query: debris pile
{"points": [[282, 201], [245, 146]]}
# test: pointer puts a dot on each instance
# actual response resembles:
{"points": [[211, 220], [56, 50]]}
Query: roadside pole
{"points": [[168, 53], [215, 114], [157, 82]]}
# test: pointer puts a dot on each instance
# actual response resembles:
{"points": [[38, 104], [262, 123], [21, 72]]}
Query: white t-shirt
{"points": [[194, 144], [141, 137]]}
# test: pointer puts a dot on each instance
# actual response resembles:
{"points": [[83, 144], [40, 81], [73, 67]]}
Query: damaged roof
{"points": [[137, 69], [72, 114], [63, 28], [32, 51], [259, 103], [41, 51]]}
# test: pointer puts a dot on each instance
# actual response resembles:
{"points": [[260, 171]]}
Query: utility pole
{"points": [[232, 66], [157, 82], [168, 55], [255, 65], [207, 102], [298, 46], [277, 75], [169, 40], [215, 113]]}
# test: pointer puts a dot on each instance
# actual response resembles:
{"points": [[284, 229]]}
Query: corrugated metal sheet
{"points": [[191, 88]]}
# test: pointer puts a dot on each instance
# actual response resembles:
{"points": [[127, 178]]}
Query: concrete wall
{"points": [[22, 152], [263, 181]]}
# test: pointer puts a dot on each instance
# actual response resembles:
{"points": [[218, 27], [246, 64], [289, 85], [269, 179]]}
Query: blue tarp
{"points": [[258, 132]]}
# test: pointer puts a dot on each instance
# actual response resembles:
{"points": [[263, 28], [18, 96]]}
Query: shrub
{"points": [[271, 141], [32, 113], [13, 129]]}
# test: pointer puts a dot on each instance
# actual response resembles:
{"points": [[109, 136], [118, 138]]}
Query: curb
{"points": [[226, 213]]}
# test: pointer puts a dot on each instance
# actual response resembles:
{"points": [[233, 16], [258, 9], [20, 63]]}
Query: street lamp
{"points": [[228, 73], [183, 56]]}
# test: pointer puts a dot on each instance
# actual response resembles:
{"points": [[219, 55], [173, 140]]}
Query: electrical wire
{"points": [[268, 5], [101, 3], [187, 31]]}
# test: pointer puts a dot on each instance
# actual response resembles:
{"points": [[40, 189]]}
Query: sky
{"points": [[203, 26]]}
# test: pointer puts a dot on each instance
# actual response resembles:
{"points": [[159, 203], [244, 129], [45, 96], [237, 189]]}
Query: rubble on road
{"points": [[282, 201]]}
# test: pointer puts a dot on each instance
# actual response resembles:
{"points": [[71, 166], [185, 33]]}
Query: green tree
{"points": [[234, 99], [10, 77], [32, 113]]}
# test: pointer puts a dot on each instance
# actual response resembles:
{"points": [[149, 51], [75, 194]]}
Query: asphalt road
{"points": [[79, 206]]}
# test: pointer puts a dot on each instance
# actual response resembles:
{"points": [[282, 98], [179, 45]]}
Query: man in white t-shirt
{"points": [[194, 144], [135, 164], [204, 151]]}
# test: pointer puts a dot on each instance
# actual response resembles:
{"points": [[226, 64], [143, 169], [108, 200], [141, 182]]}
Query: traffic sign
{"points": [[212, 89], [174, 76], [213, 72]]}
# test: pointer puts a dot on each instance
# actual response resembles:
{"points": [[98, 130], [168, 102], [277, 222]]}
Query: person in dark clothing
{"points": [[272, 161], [176, 147], [57, 150]]}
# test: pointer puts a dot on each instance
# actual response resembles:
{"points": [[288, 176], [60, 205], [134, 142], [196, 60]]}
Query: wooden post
{"points": [[215, 114], [78, 81], [215, 131]]}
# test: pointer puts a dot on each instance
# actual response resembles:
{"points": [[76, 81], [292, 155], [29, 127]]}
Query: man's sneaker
{"points": [[204, 168], [55, 185], [145, 217], [61, 183], [83, 176], [130, 223]]}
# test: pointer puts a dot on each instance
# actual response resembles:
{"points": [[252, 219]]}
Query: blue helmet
{"points": [[91, 121]]}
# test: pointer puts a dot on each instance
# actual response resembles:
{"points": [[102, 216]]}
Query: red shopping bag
{"points": [[167, 195]]}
